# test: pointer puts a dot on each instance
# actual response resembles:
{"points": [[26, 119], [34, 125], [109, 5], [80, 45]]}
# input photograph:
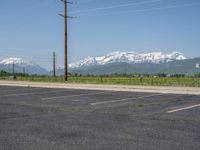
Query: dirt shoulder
{"points": [[129, 88]]}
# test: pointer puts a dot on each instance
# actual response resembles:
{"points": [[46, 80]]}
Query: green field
{"points": [[158, 81]]}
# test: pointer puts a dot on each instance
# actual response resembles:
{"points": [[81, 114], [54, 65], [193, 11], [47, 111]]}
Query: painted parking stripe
{"points": [[125, 99], [19, 89], [20, 94], [10, 90], [32, 93], [70, 96], [184, 108]]}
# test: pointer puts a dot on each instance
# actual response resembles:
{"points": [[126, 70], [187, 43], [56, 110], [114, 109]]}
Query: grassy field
{"points": [[175, 81]]}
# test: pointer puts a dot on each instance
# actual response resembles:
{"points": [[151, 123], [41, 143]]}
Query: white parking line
{"points": [[70, 96], [77, 100], [10, 90], [125, 99], [20, 94], [20, 89], [24, 94], [184, 108]]}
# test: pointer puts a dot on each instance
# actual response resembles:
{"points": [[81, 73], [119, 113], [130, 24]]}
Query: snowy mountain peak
{"points": [[129, 57], [11, 61], [177, 56], [21, 64], [15, 60]]}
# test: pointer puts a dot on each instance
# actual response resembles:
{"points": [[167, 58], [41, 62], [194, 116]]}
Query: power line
{"points": [[116, 6], [146, 10]]}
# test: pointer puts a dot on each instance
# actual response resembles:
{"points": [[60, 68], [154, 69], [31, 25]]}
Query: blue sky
{"points": [[32, 29]]}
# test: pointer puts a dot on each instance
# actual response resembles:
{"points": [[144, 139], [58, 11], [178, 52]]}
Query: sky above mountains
{"points": [[33, 30]]}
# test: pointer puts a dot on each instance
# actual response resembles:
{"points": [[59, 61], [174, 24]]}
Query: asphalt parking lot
{"points": [[69, 119]]}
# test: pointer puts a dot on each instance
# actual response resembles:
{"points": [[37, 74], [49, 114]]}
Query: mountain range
{"points": [[130, 58], [21, 65], [115, 63], [136, 63]]}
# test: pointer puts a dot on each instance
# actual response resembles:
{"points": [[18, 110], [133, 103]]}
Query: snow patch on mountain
{"points": [[18, 61], [20, 64], [129, 57]]}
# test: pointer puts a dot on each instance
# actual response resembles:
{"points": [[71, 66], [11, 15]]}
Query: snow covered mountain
{"points": [[129, 57], [21, 65], [91, 65]]}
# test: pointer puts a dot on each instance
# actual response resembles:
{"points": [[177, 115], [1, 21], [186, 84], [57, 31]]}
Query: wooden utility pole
{"points": [[24, 70], [65, 38], [65, 42], [54, 64], [13, 67]]}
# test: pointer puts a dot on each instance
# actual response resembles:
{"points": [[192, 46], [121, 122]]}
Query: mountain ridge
{"points": [[21, 65], [186, 66], [128, 57], [114, 63]]}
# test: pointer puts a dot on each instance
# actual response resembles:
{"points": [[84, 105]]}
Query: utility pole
{"points": [[65, 39], [24, 70], [125, 72], [197, 67], [13, 68], [54, 64]]}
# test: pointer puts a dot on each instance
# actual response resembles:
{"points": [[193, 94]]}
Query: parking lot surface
{"points": [[72, 119]]}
